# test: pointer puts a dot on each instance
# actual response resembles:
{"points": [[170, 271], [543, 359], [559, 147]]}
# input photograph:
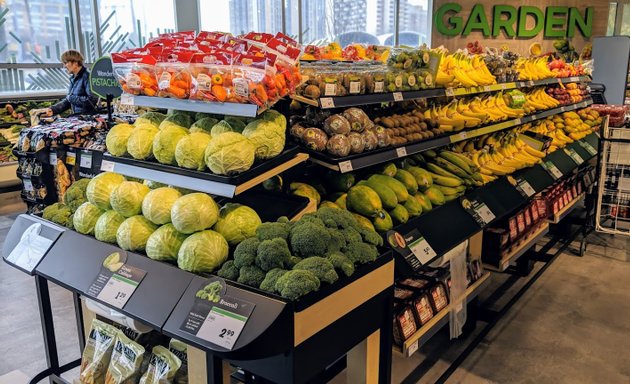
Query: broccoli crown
{"points": [[269, 284], [309, 239], [269, 231], [51, 211], [337, 240], [251, 275], [371, 237], [352, 236], [320, 266], [337, 218], [76, 191], [309, 218], [228, 270], [76, 203], [245, 252], [272, 254], [283, 219], [293, 260], [296, 283], [341, 262], [361, 253]]}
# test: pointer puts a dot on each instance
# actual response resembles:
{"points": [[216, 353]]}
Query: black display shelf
{"points": [[227, 186], [233, 109], [41, 155], [88, 160], [270, 206]]}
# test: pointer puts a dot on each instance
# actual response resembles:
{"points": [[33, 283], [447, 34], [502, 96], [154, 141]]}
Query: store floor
{"points": [[570, 326]]}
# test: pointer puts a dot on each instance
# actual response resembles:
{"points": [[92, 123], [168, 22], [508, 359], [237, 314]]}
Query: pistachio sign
{"points": [[554, 22], [103, 82]]}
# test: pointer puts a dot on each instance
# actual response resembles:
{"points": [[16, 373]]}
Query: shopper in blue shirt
{"points": [[79, 97]]}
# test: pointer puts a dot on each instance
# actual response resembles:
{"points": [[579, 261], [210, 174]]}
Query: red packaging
{"points": [[422, 309], [528, 218], [438, 297], [542, 208], [135, 70], [520, 222], [173, 74], [257, 38], [212, 73], [404, 325], [253, 80], [534, 211], [513, 229]]}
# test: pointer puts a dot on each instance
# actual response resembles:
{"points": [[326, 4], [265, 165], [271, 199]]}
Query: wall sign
{"points": [[103, 82], [554, 22]]}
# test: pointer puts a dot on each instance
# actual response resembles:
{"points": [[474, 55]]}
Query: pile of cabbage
{"points": [[189, 229], [226, 146]]}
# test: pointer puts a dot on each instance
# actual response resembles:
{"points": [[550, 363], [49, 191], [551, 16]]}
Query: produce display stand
{"points": [[526, 244]]}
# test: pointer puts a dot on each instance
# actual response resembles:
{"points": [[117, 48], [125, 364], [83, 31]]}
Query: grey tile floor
{"points": [[570, 327]]}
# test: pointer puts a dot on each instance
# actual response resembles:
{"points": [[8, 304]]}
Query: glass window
{"points": [[414, 23], [241, 16]]}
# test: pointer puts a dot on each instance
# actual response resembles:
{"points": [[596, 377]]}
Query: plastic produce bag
{"points": [[459, 283], [126, 362], [163, 365]]}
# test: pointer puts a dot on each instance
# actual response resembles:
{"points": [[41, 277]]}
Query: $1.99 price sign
{"points": [[116, 281]]}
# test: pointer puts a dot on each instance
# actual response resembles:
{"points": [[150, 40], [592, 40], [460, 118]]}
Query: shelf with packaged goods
{"points": [[518, 251], [561, 214], [233, 109], [383, 155], [219, 185], [427, 331]]}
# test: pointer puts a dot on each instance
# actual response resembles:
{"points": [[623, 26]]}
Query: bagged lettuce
{"points": [[97, 352]]}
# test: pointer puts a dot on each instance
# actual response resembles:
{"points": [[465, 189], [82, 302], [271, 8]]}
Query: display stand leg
{"points": [[48, 330], [86, 319], [218, 370], [363, 360], [78, 311]]}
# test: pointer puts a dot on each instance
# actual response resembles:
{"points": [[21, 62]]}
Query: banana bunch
{"points": [[452, 172], [539, 100], [456, 115], [461, 70], [533, 69]]}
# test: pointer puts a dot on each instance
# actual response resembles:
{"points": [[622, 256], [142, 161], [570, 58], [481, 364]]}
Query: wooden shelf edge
{"points": [[297, 159], [565, 210], [514, 255]]}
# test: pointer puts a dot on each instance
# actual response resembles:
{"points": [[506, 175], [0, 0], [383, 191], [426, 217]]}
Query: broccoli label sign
{"points": [[216, 317], [103, 82], [554, 22]]}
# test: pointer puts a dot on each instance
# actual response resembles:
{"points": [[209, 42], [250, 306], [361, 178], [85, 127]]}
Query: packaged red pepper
{"points": [[286, 64], [173, 74], [212, 73], [135, 71]]}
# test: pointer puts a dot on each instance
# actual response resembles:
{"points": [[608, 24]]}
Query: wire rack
{"points": [[613, 198]]}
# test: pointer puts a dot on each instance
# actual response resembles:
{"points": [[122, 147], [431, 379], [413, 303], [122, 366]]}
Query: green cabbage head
{"points": [[107, 226], [117, 138], [100, 188], [157, 204], [267, 136], [276, 117], [134, 232], [154, 118], [164, 243], [84, 219], [190, 151], [165, 142], [194, 212], [127, 198], [140, 144], [204, 124], [221, 127], [237, 222], [230, 153], [203, 251]]}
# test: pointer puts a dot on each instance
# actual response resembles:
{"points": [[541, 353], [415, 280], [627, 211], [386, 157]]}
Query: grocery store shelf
{"points": [[31, 95], [561, 214], [428, 330], [520, 250], [234, 109], [204, 181]]}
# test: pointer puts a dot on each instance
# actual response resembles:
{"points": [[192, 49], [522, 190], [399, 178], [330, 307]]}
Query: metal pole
{"points": [[48, 327], [396, 22], [284, 17], [97, 29], [76, 22], [300, 21]]}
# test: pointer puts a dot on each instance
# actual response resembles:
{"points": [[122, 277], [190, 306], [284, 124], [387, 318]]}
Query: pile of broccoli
{"points": [[75, 195], [295, 258], [59, 213]]}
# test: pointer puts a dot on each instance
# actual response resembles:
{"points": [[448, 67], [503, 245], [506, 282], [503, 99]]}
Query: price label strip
{"points": [[574, 155], [398, 96], [107, 166], [345, 166], [30, 249], [86, 159], [478, 210], [52, 157], [117, 281], [551, 168], [327, 102], [401, 152], [413, 247], [217, 318], [588, 147]]}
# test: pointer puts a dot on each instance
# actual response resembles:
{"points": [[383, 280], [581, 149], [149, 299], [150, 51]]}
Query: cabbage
{"points": [[230, 153], [127, 198], [203, 125], [140, 141], [117, 137], [154, 118], [237, 222], [276, 117], [268, 138], [107, 226], [164, 243], [237, 123], [190, 151], [181, 119], [200, 115], [204, 251], [221, 127], [133, 233], [194, 212], [85, 218], [157, 204], [165, 142], [100, 188]]}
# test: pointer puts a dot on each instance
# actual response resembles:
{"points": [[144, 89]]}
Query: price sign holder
{"points": [[412, 247], [574, 155], [116, 281], [85, 159], [588, 147], [478, 210], [345, 166], [525, 188], [551, 168]]}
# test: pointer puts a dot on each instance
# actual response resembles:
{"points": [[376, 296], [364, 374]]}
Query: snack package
{"points": [[212, 73], [135, 70], [97, 353], [173, 74], [180, 350], [126, 361], [163, 365]]}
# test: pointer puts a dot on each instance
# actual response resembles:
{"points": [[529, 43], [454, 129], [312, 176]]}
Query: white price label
{"points": [[107, 166], [86, 159], [126, 98], [553, 170], [518, 122], [530, 83], [485, 213], [422, 250], [330, 89], [327, 102], [563, 109], [52, 157], [345, 166], [527, 188], [574, 79], [504, 86], [589, 148], [462, 136], [28, 185], [412, 348], [449, 92], [401, 152], [574, 155], [487, 88], [117, 291], [71, 158], [222, 327], [379, 86], [398, 96]]}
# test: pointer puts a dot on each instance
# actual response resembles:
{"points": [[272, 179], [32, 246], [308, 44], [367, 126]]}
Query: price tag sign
{"points": [[327, 102], [412, 348], [345, 166], [217, 317], [487, 88], [52, 158], [478, 210], [116, 281], [450, 92], [588, 147], [527, 189], [462, 136], [552, 170], [563, 109], [530, 83], [398, 96], [126, 98], [30, 249], [86, 159], [574, 79], [503, 86], [71, 158], [422, 250], [518, 122], [574, 155], [401, 152], [485, 213], [412, 247], [107, 166], [28, 185]]}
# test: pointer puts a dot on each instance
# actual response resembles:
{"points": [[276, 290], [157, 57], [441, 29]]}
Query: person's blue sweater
{"points": [[80, 97]]}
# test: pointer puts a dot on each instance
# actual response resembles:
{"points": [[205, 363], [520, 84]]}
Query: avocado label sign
{"points": [[554, 22], [103, 82]]}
